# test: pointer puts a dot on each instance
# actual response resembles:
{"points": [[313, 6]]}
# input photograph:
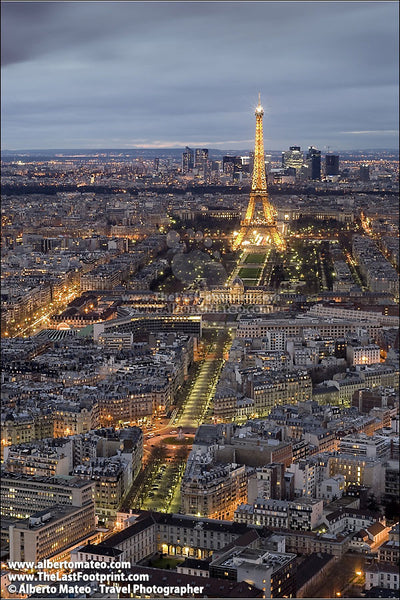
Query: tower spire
{"points": [[259, 181]]}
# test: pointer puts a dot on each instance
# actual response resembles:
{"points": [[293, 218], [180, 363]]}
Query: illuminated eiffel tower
{"points": [[259, 224]]}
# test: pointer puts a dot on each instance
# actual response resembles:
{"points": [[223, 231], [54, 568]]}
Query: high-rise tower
{"points": [[314, 162], [187, 160], [200, 157], [331, 164], [260, 213], [293, 158]]}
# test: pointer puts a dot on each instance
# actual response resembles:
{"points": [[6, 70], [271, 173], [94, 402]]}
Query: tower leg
{"points": [[269, 212], [250, 210]]}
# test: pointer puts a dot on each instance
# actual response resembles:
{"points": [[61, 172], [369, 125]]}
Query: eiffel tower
{"points": [[259, 223]]}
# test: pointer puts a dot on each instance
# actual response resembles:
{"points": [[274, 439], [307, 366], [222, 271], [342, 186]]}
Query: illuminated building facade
{"points": [[187, 160], [65, 420], [362, 445], [135, 401], [148, 323], [303, 514], [22, 495], [363, 355], [248, 327], [173, 534], [111, 478], [47, 462], [213, 491], [49, 532], [73, 420], [292, 158], [237, 294], [262, 393], [356, 469], [201, 158]]}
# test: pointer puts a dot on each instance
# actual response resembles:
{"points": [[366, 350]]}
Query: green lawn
{"points": [[250, 282], [249, 273], [255, 259]]}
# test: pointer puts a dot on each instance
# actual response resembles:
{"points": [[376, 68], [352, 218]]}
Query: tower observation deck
{"points": [[259, 224]]}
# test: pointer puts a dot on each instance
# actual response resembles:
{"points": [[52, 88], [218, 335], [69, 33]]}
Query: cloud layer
{"points": [[163, 74]]}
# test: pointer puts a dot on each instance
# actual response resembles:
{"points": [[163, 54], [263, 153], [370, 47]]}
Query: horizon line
{"points": [[179, 148]]}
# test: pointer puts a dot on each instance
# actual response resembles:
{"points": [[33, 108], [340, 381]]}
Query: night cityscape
{"points": [[200, 300]]}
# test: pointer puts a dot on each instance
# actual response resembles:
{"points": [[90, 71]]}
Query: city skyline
{"points": [[66, 81]]}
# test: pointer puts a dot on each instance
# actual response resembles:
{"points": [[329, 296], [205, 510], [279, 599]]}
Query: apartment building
{"points": [[23, 495], [211, 489], [360, 470], [266, 482], [303, 514], [382, 575], [49, 532], [322, 310], [360, 444], [330, 328], [30, 460], [111, 478], [369, 354]]}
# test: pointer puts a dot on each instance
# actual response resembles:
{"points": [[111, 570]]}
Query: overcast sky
{"points": [[170, 74]]}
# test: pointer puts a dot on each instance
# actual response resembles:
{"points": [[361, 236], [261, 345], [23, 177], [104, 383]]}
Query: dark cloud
{"points": [[179, 72]]}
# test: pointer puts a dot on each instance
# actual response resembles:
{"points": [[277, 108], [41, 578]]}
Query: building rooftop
{"points": [[194, 563], [213, 588], [102, 550], [309, 567], [63, 480]]}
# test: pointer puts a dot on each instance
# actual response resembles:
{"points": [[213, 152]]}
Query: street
{"points": [[166, 448]]}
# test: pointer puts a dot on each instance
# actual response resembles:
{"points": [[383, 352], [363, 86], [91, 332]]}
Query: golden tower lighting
{"points": [[266, 225]]}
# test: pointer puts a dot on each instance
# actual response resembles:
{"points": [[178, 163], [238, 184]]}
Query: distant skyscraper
{"points": [[364, 172], [232, 164], [156, 163], [207, 168], [331, 164], [245, 163], [187, 160], [292, 158], [314, 162], [201, 157]]}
